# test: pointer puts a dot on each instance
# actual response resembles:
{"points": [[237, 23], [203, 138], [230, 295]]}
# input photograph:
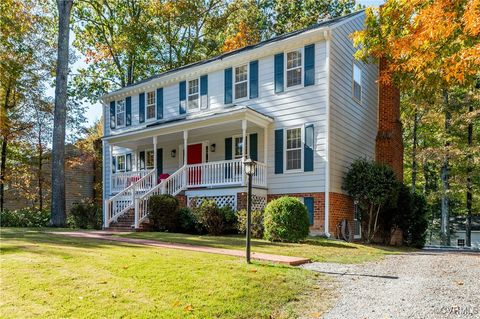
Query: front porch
{"points": [[191, 155]]}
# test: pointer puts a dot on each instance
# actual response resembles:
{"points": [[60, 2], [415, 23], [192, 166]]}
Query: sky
{"points": [[94, 111]]}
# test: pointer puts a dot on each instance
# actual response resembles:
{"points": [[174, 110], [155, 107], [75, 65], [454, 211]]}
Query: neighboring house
{"points": [[299, 104], [457, 235], [79, 182]]}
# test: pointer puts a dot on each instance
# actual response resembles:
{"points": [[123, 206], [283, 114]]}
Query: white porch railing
{"points": [[172, 185], [122, 180], [125, 199]]}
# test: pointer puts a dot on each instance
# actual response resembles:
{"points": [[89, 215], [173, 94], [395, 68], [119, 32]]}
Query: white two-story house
{"points": [[299, 104]]}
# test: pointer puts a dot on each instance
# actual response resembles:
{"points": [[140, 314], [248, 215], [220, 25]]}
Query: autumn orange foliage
{"points": [[244, 36]]}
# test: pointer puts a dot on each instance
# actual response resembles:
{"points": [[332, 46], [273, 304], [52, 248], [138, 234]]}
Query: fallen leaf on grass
{"points": [[176, 304], [188, 308], [253, 270], [125, 267]]}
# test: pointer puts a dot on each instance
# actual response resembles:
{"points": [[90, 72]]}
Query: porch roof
{"points": [[193, 121]]}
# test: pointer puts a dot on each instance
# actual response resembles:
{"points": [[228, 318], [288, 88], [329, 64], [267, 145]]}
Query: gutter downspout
{"points": [[327, 37], [104, 172]]}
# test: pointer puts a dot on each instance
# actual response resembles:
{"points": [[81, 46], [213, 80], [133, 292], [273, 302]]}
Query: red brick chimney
{"points": [[389, 143]]}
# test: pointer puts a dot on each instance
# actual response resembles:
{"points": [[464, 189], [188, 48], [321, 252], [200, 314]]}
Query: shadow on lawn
{"points": [[31, 240]]}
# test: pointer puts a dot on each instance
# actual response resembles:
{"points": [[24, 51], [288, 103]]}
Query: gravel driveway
{"points": [[412, 285]]}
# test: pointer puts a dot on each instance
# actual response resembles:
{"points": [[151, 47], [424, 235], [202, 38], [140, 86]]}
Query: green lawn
{"points": [[315, 248], [47, 275]]}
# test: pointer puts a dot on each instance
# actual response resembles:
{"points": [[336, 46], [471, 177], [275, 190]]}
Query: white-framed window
{"points": [[357, 82], [240, 80], [193, 98], [121, 163], [150, 108], [294, 67], [293, 149], [149, 159], [120, 113], [238, 147]]}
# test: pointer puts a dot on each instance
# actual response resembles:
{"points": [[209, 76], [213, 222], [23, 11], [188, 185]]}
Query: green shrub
{"points": [[230, 218], [25, 217], [213, 219], [409, 212], [286, 219], [187, 222], [86, 215], [257, 223], [163, 212]]}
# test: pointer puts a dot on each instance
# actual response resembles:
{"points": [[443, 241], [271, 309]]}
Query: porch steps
{"points": [[125, 222]]}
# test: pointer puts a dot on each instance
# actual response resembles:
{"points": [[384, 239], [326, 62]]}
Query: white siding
{"points": [[353, 126]]}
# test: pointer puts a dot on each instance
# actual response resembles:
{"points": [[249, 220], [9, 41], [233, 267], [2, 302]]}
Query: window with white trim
{"points": [[151, 105], [238, 147], [357, 82], [241, 82], [121, 163], [294, 68], [120, 113], [193, 95], [293, 149], [149, 159]]}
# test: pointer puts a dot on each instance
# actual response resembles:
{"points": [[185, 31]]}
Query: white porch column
{"points": [[185, 147], [244, 139], [155, 153], [265, 144]]}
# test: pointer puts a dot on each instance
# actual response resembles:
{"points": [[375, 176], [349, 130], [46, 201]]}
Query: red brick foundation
{"points": [[341, 207], [318, 208], [182, 200]]}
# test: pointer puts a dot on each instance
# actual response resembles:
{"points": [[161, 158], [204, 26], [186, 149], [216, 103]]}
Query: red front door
{"points": [[194, 156]]}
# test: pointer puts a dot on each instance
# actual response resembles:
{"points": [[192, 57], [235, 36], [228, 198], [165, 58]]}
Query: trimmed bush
{"points": [[25, 217], [286, 219], [86, 215], [163, 212], [215, 220], [187, 222], [257, 223]]}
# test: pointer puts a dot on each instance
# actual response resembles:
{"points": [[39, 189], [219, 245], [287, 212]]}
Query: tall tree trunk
{"points": [[445, 228], [468, 224], [59, 216], [40, 167], [414, 150], [3, 167]]}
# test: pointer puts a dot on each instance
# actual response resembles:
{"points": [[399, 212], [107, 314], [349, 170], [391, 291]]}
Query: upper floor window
{"points": [[241, 81], [294, 68], [193, 95], [357, 82], [120, 113], [151, 101], [293, 149]]}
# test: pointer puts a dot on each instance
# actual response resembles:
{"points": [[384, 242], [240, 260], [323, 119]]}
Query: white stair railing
{"points": [[125, 200], [122, 180], [172, 185]]}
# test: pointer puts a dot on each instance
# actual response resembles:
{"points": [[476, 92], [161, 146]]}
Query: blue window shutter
{"points": [[308, 201], [159, 103], [159, 161], [141, 107], [278, 72], [309, 147], [128, 111], [228, 86], [182, 97], [141, 159], [128, 162], [112, 114], [254, 79], [114, 165], [204, 91], [309, 75], [279, 151], [254, 146]]}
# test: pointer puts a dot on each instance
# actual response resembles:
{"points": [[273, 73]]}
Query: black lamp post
{"points": [[249, 170]]}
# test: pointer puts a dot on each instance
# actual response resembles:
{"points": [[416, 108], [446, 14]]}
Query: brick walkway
{"points": [[104, 235]]}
